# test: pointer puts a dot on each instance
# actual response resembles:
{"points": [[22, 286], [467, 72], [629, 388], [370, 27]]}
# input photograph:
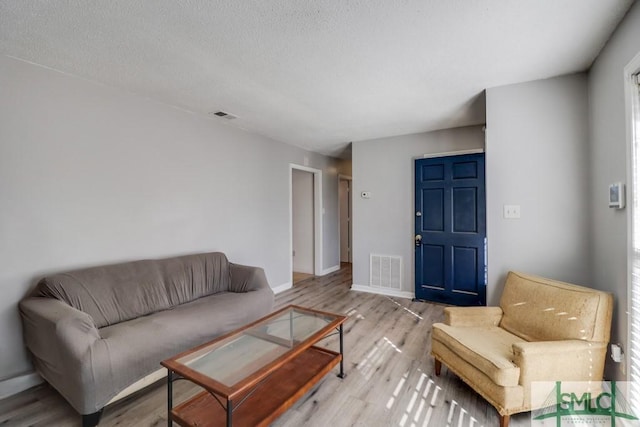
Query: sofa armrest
{"points": [[570, 360], [472, 316], [245, 278], [55, 332]]}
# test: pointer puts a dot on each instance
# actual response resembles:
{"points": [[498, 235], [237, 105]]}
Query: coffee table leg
{"points": [[169, 396], [229, 413], [341, 375]]}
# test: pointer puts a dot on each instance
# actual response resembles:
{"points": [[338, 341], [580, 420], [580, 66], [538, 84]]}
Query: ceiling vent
{"points": [[224, 115]]}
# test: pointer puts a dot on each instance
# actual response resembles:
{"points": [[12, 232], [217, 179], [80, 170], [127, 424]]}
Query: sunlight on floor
{"points": [[377, 356], [391, 344], [396, 392], [461, 416], [425, 398], [352, 312], [406, 309], [421, 397]]}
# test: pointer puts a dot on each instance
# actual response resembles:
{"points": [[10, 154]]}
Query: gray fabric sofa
{"points": [[99, 333]]}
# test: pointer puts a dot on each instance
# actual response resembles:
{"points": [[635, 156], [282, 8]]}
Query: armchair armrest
{"points": [[245, 278], [472, 316], [55, 332], [570, 360]]}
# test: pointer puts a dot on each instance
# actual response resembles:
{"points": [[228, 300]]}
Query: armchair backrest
{"points": [[539, 309]]}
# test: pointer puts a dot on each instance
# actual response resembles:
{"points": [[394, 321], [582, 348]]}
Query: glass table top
{"points": [[234, 358]]}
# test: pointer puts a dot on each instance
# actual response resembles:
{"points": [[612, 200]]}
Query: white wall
{"points": [[384, 224], [609, 164], [302, 212], [92, 175], [537, 150]]}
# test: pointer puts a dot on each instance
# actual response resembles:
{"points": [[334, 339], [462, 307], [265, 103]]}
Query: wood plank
{"points": [[268, 401]]}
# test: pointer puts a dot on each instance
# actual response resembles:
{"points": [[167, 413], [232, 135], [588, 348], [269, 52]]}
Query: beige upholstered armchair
{"points": [[543, 330]]}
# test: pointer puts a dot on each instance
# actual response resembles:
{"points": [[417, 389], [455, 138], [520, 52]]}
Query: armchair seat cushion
{"points": [[488, 348]]}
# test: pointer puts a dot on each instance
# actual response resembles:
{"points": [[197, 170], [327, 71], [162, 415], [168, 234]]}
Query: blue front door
{"points": [[450, 230]]}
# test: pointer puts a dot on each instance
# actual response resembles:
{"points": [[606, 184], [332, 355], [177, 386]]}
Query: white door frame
{"points": [[317, 217], [345, 178]]}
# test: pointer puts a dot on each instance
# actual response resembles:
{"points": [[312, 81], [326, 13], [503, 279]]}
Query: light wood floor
{"points": [[389, 381], [300, 277]]}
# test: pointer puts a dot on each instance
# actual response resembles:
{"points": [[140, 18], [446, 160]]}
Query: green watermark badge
{"points": [[583, 403]]}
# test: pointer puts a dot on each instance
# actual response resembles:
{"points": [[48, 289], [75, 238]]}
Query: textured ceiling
{"points": [[316, 74]]}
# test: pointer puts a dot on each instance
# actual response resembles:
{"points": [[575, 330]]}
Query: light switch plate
{"points": [[512, 211]]}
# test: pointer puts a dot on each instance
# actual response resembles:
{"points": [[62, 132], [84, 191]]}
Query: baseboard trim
{"points": [[282, 288], [15, 385], [330, 270], [382, 291]]}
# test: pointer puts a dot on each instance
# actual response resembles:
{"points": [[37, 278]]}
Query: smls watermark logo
{"points": [[576, 403]]}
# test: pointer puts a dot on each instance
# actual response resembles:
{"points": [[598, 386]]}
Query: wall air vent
{"points": [[385, 271], [224, 115]]}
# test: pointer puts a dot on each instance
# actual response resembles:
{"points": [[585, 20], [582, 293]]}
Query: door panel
{"points": [[434, 209], [450, 230], [465, 269], [465, 210], [464, 170], [433, 172], [433, 272]]}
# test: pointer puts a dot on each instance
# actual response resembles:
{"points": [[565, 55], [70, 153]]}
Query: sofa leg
{"points": [[504, 420], [437, 367], [91, 420]]}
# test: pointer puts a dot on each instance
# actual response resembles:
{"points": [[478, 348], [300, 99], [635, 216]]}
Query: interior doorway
{"points": [[305, 222], [346, 229]]}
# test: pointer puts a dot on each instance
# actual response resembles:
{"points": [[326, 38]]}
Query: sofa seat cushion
{"points": [[489, 348], [130, 350]]}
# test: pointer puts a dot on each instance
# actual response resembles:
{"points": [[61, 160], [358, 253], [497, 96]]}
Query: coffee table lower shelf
{"points": [[268, 401]]}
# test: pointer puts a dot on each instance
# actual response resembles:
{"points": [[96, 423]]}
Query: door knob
{"points": [[418, 239]]}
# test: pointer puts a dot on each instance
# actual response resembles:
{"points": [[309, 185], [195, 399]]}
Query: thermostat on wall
{"points": [[616, 195]]}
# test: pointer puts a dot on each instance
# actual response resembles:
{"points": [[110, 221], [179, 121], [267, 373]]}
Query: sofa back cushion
{"points": [[190, 277], [110, 294], [539, 309], [115, 293]]}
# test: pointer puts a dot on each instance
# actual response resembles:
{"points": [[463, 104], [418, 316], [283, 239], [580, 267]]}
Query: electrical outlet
{"points": [[511, 211], [617, 355]]}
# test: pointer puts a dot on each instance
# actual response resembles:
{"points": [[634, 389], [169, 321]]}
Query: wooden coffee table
{"points": [[253, 375]]}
